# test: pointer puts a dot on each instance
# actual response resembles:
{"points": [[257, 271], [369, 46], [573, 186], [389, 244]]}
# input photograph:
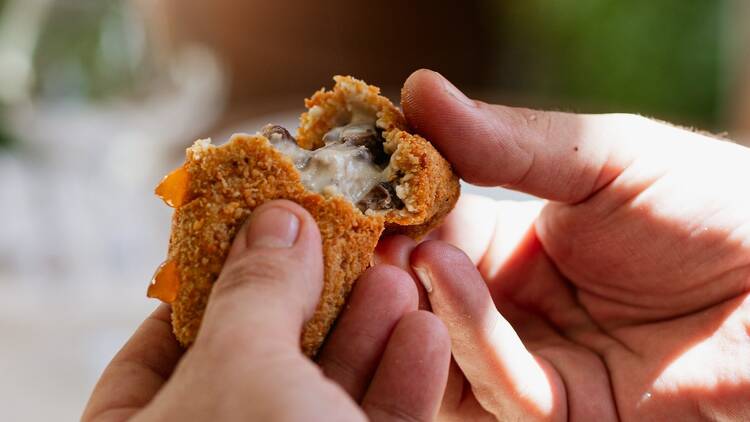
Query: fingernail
{"points": [[274, 227], [455, 92], [424, 277]]}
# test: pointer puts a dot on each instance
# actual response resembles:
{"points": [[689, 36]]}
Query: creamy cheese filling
{"points": [[351, 163]]}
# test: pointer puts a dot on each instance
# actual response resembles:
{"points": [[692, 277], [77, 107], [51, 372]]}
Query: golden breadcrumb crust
{"points": [[225, 183]]}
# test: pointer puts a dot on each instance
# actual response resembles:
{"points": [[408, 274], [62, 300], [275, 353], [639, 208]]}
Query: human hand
{"points": [[384, 360], [624, 297]]}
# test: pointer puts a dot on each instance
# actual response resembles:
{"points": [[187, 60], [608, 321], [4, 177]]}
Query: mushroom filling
{"points": [[351, 163]]}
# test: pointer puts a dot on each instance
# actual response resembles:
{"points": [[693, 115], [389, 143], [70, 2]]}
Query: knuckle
{"points": [[343, 370], [261, 270]]}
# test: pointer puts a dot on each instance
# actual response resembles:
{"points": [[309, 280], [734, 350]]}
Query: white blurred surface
{"points": [[57, 340]]}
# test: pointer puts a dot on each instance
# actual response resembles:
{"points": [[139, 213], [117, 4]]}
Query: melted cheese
{"points": [[338, 168]]}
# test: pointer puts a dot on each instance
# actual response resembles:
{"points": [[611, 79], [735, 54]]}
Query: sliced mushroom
{"points": [[381, 197]]}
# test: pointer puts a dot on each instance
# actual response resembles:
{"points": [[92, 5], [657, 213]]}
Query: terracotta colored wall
{"points": [[383, 41]]}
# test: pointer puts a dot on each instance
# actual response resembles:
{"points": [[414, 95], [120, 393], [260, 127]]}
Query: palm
{"points": [[606, 291]]}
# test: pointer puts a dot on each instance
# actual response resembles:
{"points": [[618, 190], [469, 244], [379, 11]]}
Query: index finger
{"points": [[138, 370]]}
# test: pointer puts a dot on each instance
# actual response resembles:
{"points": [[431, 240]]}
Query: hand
{"points": [[385, 360], [624, 297]]}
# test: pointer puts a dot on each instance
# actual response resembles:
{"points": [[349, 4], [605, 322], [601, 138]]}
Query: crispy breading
{"points": [[225, 183]]}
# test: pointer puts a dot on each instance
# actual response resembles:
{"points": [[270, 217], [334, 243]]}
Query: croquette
{"points": [[353, 165]]}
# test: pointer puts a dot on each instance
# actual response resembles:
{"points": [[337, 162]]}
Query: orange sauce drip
{"points": [[173, 187], [165, 283]]}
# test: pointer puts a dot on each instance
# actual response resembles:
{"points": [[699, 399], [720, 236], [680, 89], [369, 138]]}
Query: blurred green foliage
{"points": [[657, 58], [87, 50], [6, 140]]}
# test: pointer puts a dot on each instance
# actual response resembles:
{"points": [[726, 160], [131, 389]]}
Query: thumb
{"points": [[559, 156], [271, 280], [506, 379]]}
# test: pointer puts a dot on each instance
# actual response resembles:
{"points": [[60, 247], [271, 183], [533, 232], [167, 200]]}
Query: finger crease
{"points": [[391, 412], [347, 369]]}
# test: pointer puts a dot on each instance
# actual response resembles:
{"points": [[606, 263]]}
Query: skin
{"points": [[623, 297], [384, 361]]}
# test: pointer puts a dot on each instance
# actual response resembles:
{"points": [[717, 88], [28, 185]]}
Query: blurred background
{"points": [[99, 98]]}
